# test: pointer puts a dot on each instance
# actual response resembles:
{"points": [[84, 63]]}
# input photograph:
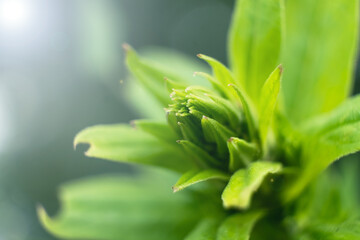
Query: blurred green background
{"points": [[61, 63]]}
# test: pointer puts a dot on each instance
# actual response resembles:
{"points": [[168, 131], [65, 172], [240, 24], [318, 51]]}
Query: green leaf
{"points": [[160, 130], [344, 115], [196, 176], [268, 99], [242, 153], [244, 183], [329, 209], [238, 226], [125, 144], [205, 230], [215, 132], [248, 110], [327, 138], [190, 128], [145, 104], [171, 64], [221, 72], [113, 207], [215, 84], [332, 198], [171, 85], [319, 55], [214, 107], [234, 116], [151, 74], [254, 43], [177, 64], [199, 156], [222, 75], [323, 231]]}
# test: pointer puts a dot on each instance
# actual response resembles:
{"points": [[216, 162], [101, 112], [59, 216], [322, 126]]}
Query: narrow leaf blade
{"points": [[148, 75], [268, 99], [199, 156], [196, 176], [217, 133], [248, 111], [223, 76]]}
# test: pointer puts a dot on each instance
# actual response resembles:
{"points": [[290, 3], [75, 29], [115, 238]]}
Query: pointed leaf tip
{"points": [[268, 102], [174, 189], [44, 218], [255, 42], [126, 47], [196, 176]]}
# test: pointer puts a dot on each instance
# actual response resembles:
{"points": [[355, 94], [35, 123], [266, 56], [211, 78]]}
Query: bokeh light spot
{"points": [[14, 14]]}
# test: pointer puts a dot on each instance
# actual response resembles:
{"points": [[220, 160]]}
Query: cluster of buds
{"points": [[212, 129]]}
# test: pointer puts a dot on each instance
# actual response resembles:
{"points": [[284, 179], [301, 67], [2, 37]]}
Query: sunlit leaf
{"points": [[254, 44], [149, 76], [215, 84], [171, 85], [160, 130], [223, 76], [319, 55], [268, 100], [221, 72], [328, 137], [142, 100], [196, 176], [151, 71], [125, 144], [244, 183]]}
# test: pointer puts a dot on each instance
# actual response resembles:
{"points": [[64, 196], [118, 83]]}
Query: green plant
{"points": [[257, 140]]}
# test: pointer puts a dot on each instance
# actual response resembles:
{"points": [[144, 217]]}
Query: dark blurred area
{"points": [[61, 63]]}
